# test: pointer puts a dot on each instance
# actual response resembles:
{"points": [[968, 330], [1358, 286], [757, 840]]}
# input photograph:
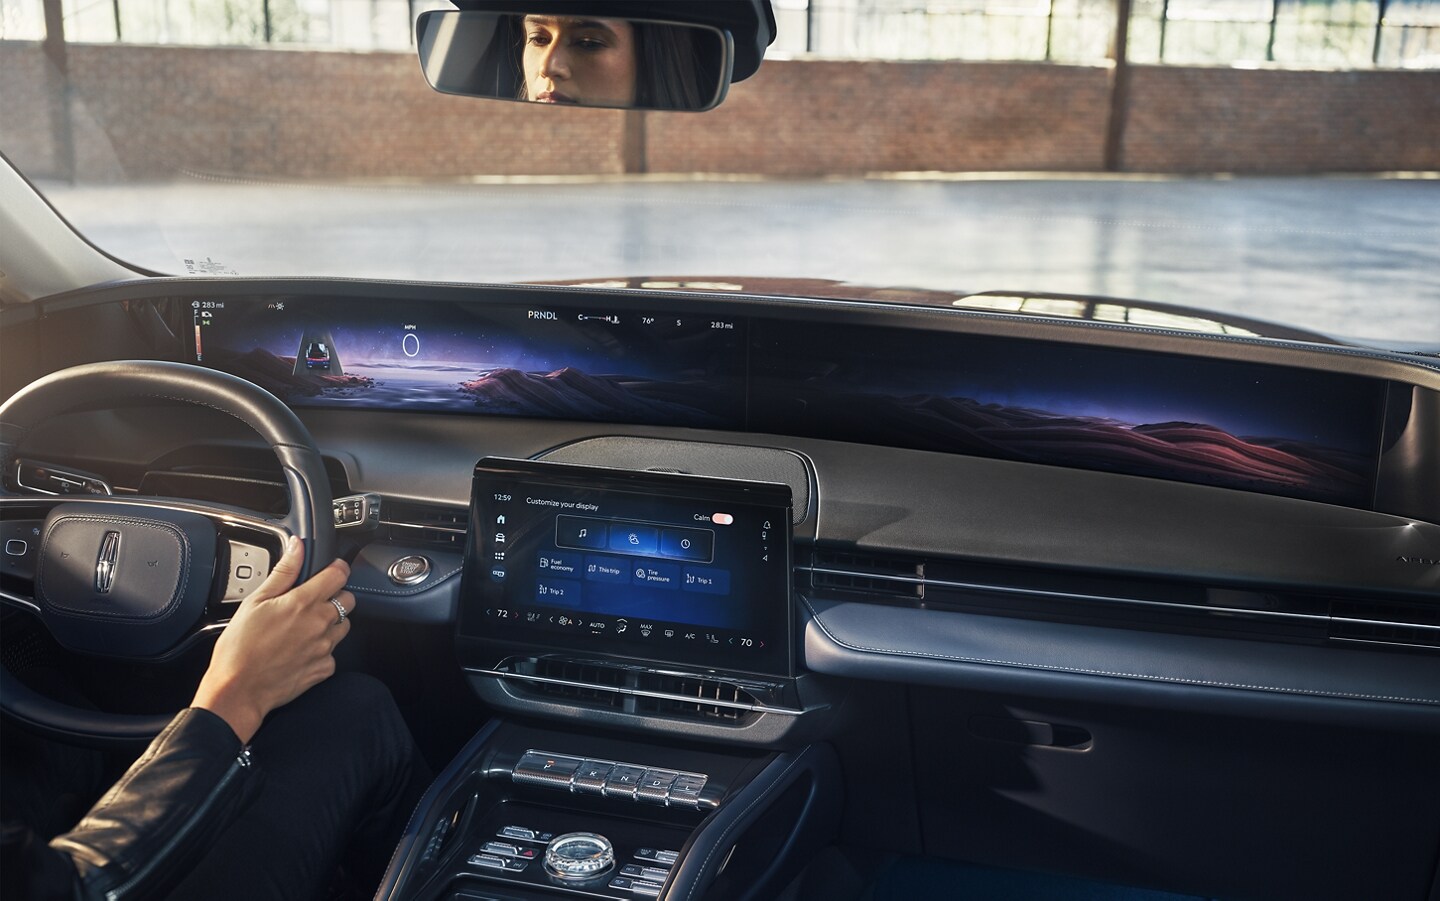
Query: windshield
{"points": [[1271, 159]]}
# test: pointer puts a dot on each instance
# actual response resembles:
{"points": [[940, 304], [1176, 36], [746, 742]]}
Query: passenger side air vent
{"points": [[879, 577], [410, 522], [1377, 622], [1123, 601], [635, 690]]}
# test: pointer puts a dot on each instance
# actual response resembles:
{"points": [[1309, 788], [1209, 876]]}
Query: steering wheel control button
{"points": [[22, 547], [579, 855], [249, 565], [411, 570], [356, 511]]}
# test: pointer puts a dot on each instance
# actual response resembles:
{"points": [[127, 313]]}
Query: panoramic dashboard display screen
{"points": [[1268, 429], [501, 360], [660, 567]]}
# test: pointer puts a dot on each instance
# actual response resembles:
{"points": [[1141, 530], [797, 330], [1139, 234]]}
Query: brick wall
{"points": [[1274, 121], [822, 117], [146, 112], [30, 89]]}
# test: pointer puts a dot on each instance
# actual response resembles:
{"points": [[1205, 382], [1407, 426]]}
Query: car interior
{"points": [[694, 594]]}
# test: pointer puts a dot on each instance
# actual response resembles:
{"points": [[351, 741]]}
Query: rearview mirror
{"points": [[611, 62]]}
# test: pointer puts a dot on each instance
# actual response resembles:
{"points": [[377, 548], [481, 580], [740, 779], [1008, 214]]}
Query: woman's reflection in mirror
{"points": [[609, 62]]}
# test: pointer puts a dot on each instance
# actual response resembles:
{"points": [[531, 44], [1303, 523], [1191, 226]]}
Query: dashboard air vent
{"points": [[1123, 601], [705, 692], [587, 683], [878, 576], [410, 522], [1410, 625], [634, 690]]}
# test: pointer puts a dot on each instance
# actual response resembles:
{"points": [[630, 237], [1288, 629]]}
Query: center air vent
{"points": [[636, 690], [708, 696]]}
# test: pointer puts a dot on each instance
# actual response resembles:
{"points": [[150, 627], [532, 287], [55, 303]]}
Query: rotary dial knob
{"points": [[579, 855]]}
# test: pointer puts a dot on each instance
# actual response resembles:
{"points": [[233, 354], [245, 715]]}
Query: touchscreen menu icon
{"points": [[638, 539]]}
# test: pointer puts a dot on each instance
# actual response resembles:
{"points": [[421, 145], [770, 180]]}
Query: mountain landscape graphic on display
{"points": [[566, 393], [1174, 449]]}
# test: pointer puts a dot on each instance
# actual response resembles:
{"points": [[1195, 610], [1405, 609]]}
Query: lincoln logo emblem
{"points": [[105, 565]]}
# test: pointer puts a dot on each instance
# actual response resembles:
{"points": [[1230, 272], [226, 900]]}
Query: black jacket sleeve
{"points": [[148, 830]]}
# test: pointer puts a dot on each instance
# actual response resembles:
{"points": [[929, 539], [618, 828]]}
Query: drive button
{"points": [[655, 786]]}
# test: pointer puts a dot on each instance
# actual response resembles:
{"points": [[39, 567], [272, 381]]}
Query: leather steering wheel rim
{"points": [[102, 384]]}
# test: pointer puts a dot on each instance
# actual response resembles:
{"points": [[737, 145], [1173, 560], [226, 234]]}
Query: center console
{"points": [[638, 629]]}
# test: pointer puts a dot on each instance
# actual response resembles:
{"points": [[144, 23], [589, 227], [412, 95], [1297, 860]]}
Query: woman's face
{"points": [[579, 60]]}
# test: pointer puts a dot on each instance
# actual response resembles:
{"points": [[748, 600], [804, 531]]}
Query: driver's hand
{"points": [[279, 644]]}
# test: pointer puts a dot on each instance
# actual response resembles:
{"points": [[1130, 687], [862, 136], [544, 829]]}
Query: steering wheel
{"points": [[143, 578]]}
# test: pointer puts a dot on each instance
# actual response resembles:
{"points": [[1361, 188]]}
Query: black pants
{"points": [[337, 776]]}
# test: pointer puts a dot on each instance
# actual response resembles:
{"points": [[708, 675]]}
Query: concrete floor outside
{"points": [[1348, 256]]}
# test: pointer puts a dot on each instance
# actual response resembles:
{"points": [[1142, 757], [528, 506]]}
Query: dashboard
{"points": [[982, 557]]}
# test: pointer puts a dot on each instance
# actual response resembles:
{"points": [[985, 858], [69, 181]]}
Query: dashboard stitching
{"points": [[1095, 672], [399, 593], [720, 841]]}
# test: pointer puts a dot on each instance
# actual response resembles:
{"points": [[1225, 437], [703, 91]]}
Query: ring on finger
{"points": [[340, 609]]}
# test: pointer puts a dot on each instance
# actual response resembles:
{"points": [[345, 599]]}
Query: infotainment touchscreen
{"points": [[658, 567]]}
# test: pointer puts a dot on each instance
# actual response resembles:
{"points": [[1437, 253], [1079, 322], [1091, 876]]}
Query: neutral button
{"points": [[624, 780]]}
